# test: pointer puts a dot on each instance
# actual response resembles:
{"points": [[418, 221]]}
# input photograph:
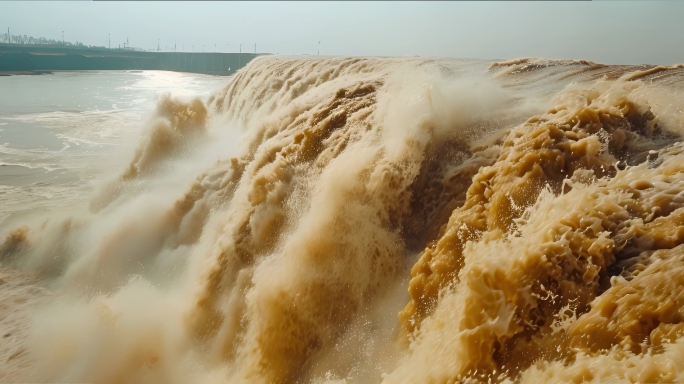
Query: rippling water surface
{"points": [[59, 132]]}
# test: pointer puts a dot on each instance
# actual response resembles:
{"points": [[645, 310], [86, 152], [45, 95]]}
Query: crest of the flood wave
{"points": [[395, 220]]}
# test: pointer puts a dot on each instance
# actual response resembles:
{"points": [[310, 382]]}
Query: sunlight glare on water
{"points": [[60, 131]]}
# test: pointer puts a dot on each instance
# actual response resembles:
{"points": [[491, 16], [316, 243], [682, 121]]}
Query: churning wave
{"points": [[381, 220]]}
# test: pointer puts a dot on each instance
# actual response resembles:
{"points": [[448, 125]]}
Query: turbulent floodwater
{"points": [[363, 220]]}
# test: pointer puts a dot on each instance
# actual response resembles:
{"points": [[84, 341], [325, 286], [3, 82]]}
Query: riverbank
{"points": [[18, 73], [36, 59]]}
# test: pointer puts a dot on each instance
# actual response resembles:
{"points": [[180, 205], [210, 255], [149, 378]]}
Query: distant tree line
{"points": [[30, 40]]}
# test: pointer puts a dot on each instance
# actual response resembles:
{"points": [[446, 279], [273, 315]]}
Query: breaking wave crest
{"points": [[393, 220]]}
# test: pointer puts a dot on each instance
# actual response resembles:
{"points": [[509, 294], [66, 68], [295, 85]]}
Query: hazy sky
{"points": [[626, 32]]}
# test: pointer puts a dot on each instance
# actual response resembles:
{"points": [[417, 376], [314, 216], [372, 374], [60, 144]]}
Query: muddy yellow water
{"points": [[370, 220]]}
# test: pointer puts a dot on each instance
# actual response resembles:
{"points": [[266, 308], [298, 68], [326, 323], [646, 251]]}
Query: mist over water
{"points": [[366, 220], [60, 133]]}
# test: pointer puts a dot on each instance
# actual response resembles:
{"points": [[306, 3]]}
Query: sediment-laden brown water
{"points": [[369, 220]]}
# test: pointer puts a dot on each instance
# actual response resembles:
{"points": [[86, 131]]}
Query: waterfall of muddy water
{"points": [[379, 220]]}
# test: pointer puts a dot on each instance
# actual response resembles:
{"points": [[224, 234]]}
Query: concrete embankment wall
{"points": [[48, 58]]}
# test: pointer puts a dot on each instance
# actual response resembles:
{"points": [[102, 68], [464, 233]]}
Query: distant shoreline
{"points": [[24, 73], [34, 73], [27, 60]]}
